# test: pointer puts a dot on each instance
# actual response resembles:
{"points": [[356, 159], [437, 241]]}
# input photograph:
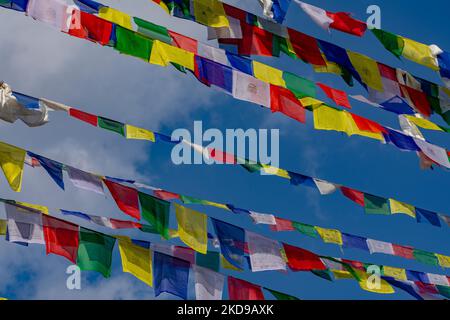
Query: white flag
{"points": [[264, 253], [262, 218], [318, 15], [433, 152], [437, 279], [212, 53], [324, 186], [85, 180], [53, 12], [24, 225], [208, 284], [376, 246], [248, 88]]}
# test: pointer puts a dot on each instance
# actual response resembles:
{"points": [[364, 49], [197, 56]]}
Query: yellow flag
{"points": [[327, 118], [136, 260], [268, 74], [139, 133], [368, 70], [352, 129], [192, 228], [163, 54], [330, 235], [444, 261], [396, 273], [226, 265], [42, 209], [11, 161], [217, 205], [275, 171], [341, 274], [116, 16], [423, 123], [375, 284], [401, 207], [164, 7], [308, 101], [419, 53], [210, 13], [2, 227], [330, 67]]}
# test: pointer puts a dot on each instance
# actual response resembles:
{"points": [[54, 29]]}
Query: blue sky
{"points": [[40, 61]]}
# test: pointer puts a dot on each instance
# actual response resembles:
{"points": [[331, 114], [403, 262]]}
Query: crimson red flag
{"points": [[126, 198], [342, 21], [166, 195], [90, 27], [61, 237], [354, 195], [367, 125], [84, 116], [242, 290], [284, 101], [183, 42], [306, 48], [302, 260], [338, 96]]}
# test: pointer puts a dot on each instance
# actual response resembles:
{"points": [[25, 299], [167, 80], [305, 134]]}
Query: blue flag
{"points": [[213, 73], [53, 168], [425, 216], [232, 241], [351, 241], [171, 275], [400, 140], [27, 101]]}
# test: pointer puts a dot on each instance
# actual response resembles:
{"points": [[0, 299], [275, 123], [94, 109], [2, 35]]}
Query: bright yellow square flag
{"points": [[396, 273], [327, 118], [136, 260], [275, 171], [330, 235], [419, 53], [368, 70], [268, 74], [163, 54], [2, 227], [192, 228], [42, 209], [12, 160], [401, 207], [210, 13], [330, 67], [373, 283], [444, 261], [116, 16], [139, 133], [309, 101], [423, 123]]}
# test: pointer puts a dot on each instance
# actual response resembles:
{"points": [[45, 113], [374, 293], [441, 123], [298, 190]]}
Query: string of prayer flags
{"points": [[12, 160], [156, 212], [192, 228], [61, 237], [170, 275], [341, 21], [242, 290], [136, 260], [127, 198], [95, 252], [231, 239]]}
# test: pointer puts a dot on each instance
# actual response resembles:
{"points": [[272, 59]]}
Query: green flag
{"points": [[390, 41], [376, 205], [324, 274], [95, 252], [425, 257], [191, 200], [133, 44], [306, 229], [111, 125], [444, 291], [210, 260], [301, 87], [281, 296], [153, 31], [156, 212]]}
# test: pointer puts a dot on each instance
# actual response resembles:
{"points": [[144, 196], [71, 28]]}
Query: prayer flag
{"points": [[444, 261], [282, 225], [327, 118], [90, 27], [318, 15], [53, 168], [133, 44], [162, 54], [367, 69], [300, 87], [84, 116], [125, 197], [375, 205], [166, 195], [396, 273], [306, 48], [268, 74], [299, 259], [208, 284], [403, 251], [425, 216], [254, 41], [248, 88], [354, 195], [419, 53], [152, 31], [242, 290], [376, 246], [306, 229], [338, 96], [156, 212], [85, 180], [61, 237], [137, 133], [367, 284], [352, 241], [210, 13], [12, 160], [284, 101], [111, 125], [265, 253], [95, 252], [425, 257], [210, 260], [171, 275], [262, 218], [136, 260], [24, 226], [115, 16], [192, 228], [324, 187], [231, 239], [401, 207], [390, 41], [330, 235], [51, 12]]}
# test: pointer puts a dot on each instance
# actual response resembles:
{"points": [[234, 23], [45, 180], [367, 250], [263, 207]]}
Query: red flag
{"points": [[426, 288], [61, 237], [354, 195], [367, 125], [221, 156], [284, 101], [126, 198], [338, 96], [419, 99], [255, 41], [183, 42], [306, 48], [282, 225], [90, 27], [403, 251], [242, 290], [84, 116], [387, 72], [342, 21], [302, 260], [122, 224], [166, 195]]}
